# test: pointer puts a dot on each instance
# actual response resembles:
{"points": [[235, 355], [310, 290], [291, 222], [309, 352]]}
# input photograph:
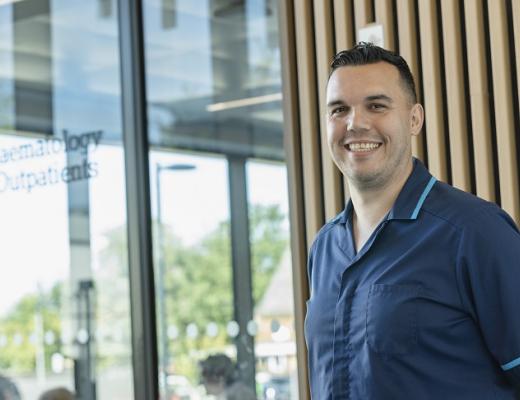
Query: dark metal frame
{"points": [[241, 264], [140, 251]]}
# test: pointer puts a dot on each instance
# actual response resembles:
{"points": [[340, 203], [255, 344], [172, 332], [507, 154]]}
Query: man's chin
{"points": [[365, 180]]}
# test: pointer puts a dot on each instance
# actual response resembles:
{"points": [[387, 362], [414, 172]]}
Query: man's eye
{"points": [[377, 107], [338, 110]]}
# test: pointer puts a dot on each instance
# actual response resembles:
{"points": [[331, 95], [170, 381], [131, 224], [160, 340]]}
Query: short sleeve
{"points": [[489, 278]]}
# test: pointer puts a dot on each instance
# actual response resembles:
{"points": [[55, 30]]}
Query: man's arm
{"points": [[489, 281]]}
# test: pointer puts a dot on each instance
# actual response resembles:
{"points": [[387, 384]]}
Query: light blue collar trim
{"points": [[423, 197], [511, 365]]}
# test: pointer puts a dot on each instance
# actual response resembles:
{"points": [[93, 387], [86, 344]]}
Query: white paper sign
{"points": [[372, 33]]}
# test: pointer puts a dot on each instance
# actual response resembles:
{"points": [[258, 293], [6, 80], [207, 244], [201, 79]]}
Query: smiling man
{"points": [[415, 285]]}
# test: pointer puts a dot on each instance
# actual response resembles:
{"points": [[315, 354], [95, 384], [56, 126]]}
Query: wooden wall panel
{"points": [[431, 79], [479, 117], [309, 118], [385, 16], [344, 20], [362, 13], [516, 27], [455, 94], [407, 39], [324, 36], [479, 99], [297, 214], [504, 117]]}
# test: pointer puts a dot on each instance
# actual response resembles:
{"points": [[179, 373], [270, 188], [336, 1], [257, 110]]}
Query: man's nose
{"points": [[357, 120]]}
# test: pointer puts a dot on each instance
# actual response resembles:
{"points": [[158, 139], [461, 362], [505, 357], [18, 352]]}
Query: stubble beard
{"points": [[381, 176]]}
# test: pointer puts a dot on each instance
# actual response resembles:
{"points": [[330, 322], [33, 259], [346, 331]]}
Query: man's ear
{"points": [[416, 119]]}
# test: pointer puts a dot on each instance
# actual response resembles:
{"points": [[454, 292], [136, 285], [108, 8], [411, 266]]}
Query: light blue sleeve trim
{"points": [[423, 197], [511, 365]]}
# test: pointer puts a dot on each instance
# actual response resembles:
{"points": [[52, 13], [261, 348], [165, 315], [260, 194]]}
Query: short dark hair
{"points": [[368, 53], [218, 367]]}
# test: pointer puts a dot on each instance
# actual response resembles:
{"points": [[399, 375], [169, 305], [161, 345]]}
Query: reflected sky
{"points": [[86, 96], [35, 225]]}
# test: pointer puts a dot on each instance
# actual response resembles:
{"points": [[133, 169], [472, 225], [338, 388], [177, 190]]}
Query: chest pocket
{"points": [[391, 320]]}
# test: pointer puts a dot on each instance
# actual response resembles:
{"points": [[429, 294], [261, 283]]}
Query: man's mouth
{"points": [[359, 147]]}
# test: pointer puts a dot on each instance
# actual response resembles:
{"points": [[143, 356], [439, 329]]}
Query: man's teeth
{"points": [[363, 146]]}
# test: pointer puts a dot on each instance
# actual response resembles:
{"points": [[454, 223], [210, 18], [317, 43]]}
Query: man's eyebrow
{"points": [[335, 103], [379, 97]]}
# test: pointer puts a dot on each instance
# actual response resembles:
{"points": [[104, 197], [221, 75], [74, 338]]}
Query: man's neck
{"points": [[371, 206]]}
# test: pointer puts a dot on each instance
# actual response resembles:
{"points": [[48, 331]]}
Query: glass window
{"points": [[64, 309], [219, 196], [275, 346]]}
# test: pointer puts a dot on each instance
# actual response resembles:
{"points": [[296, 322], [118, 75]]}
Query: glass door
{"points": [[64, 299], [219, 189]]}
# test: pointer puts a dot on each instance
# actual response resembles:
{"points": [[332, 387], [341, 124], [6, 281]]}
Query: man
{"points": [[415, 285], [220, 378]]}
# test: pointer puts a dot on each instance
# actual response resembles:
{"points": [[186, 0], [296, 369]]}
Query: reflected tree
{"points": [[199, 284], [198, 287], [18, 331], [269, 239]]}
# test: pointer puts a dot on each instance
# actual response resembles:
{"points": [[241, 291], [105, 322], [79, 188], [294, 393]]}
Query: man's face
{"points": [[370, 124]]}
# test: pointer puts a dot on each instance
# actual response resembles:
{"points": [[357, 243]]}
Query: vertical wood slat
{"points": [[344, 23], [516, 26], [432, 89], [308, 107], [407, 34], [479, 99], [407, 37], [345, 39], [455, 94], [324, 51], [362, 14], [385, 16], [295, 183], [504, 117], [515, 5]]}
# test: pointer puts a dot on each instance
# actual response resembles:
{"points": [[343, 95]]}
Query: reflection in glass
{"points": [[272, 278], [196, 279], [221, 230], [64, 312]]}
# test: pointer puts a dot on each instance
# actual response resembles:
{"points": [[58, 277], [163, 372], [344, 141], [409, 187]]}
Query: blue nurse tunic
{"points": [[429, 308]]}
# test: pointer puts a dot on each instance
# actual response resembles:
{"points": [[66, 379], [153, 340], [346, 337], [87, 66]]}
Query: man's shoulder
{"points": [[330, 224], [327, 229], [463, 210]]}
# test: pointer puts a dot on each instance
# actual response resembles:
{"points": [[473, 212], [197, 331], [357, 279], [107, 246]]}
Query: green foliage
{"points": [[269, 240], [198, 290], [199, 287], [20, 358]]}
